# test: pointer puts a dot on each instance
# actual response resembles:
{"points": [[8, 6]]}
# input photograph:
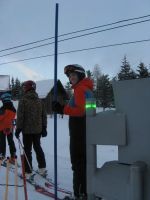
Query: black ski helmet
{"points": [[75, 68]]}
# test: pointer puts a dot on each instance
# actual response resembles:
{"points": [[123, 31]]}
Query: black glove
{"points": [[17, 132], [57, 107], [44, 131]]}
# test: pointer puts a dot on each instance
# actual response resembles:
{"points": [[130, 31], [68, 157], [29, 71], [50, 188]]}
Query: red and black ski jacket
{"points": [[82, 91], [7, 115]]}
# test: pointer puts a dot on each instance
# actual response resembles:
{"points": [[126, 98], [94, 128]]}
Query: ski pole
{"points": [[16, 179], [24, 178], [1, 162], [25, 154], [23, 174], [55, 97], [7, 179]]}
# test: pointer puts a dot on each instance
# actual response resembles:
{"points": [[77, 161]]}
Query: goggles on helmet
{"points": [[73, 68]]}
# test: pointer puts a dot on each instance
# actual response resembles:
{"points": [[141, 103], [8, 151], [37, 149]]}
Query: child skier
{"points": [[7, 115], [82, 87]]}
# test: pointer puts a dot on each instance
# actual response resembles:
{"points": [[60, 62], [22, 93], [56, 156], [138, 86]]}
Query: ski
{"points": [[46, 182], [45, 176], [39, 188], [4, 164], [49, 185], [42, 190]]}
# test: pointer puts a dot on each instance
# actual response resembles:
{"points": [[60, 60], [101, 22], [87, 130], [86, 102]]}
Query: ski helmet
{"points": [[75, 68], [6, 97], [29, 85]]}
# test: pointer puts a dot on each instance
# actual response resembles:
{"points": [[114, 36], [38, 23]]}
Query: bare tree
{"points": [[97, 72]]}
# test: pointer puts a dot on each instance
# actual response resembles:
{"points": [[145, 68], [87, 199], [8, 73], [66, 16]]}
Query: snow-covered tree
{"points": [[142, 71], [97, 72], [126, 72], [104, 92]]}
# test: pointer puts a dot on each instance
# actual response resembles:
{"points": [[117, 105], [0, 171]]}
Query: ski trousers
{"points": [[11, 144], [77, 127], [30, 140]]}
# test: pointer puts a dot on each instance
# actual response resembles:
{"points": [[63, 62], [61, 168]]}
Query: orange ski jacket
{"points": [[6, 119], [82, 91]]}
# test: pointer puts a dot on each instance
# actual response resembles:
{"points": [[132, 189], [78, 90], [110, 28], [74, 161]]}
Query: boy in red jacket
{"points": [[83, 88]]}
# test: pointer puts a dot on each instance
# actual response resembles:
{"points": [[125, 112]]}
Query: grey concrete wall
{"points": [[129, 128], [133, 98], [107, 128]]}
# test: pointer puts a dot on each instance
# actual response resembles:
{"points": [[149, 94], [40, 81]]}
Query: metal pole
{"points": [[55, 98]]}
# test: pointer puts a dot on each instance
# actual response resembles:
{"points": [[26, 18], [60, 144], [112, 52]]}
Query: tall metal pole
{"points": [[55, 98]]}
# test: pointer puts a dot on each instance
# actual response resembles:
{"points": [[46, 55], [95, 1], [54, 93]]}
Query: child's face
{"points": [[73, 78]]}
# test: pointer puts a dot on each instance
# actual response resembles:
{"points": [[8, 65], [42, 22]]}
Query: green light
{"points": [[93, 105], [90, 105]]}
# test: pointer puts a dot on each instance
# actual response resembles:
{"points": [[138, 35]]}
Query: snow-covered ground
{"points": [[104, 153]]}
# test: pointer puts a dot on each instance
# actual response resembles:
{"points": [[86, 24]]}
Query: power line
{"points": [[109, 24], [105, 46], [78, 50], [91, 33], [78, 31]]}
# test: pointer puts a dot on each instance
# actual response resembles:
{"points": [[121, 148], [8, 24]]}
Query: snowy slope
{"points": [[64, 166]]}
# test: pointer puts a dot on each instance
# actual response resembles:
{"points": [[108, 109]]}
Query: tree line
{"points": [[103, 91], [16, 88]]}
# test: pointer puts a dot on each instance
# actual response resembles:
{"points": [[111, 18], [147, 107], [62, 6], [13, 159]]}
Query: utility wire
{"points": [[78, 50], [91, 33], [78, 31]]}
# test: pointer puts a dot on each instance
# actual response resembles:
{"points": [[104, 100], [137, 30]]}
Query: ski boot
{"points": [[30, 177], [42, 172], [12, 160], [3, 160]]}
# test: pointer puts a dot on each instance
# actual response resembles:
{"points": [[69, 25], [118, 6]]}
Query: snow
{"points": [[64, 166], [104, 153]]}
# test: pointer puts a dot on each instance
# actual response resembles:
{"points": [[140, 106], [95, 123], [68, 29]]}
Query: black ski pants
{"points": [[30, 140], [11, 144], [77, 127]]}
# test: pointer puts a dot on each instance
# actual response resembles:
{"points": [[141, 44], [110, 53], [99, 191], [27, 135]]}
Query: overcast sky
{"points": [[24, 21]]}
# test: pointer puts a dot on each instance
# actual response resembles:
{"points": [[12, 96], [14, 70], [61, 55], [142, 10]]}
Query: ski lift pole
{"points": [[55, 98]]}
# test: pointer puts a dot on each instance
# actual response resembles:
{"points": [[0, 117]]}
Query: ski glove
{"points": [[17, 132], [44, 132], [57, 107]]}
